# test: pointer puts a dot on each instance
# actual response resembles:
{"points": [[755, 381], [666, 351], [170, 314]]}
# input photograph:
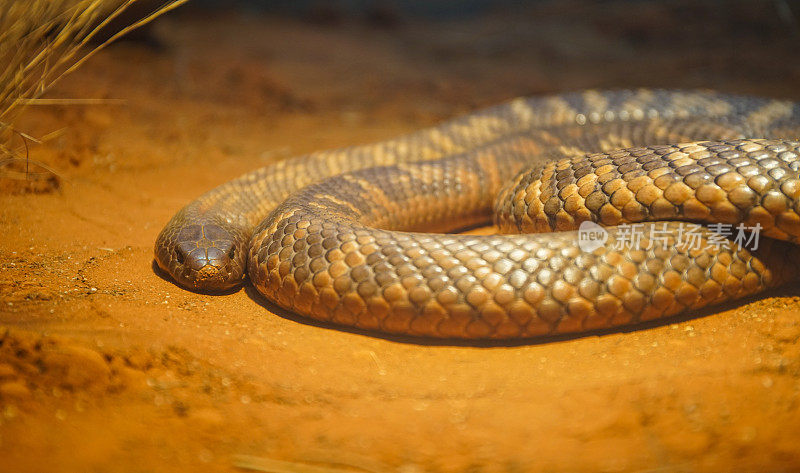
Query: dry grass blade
{"points": [[264, 464], [43, 40]]}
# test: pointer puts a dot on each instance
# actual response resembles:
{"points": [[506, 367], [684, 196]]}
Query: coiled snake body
{"points": [[334, 235]]}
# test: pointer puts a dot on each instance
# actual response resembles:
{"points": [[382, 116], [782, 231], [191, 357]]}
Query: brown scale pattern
{"points": [[339, 248], [319, 254], [745, 181]]}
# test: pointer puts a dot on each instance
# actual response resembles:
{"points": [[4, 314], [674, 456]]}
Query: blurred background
{"points": [[491, 49]]}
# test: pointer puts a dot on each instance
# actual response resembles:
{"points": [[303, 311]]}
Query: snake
{"points": [[368, 236]]}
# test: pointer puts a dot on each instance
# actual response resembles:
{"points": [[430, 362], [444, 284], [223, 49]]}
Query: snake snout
{"points": [[207, 257]]}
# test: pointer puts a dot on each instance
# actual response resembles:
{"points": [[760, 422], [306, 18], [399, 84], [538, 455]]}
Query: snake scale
{"points": [[337, 235]]}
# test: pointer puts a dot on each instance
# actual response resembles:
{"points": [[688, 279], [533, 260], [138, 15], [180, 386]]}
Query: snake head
{"points": [[203, 256]]}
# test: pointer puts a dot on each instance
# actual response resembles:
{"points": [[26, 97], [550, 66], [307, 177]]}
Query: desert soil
{"points": [[107, 366]]}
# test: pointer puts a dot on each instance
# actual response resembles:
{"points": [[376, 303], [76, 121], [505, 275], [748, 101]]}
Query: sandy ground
{"points": [[106, 366]]}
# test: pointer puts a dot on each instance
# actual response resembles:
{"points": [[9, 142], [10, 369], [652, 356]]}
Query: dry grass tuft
{"points": [[41, 41]]}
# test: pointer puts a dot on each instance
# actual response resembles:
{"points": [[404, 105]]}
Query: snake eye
{"points": [[232, 252], [180, 256]]}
